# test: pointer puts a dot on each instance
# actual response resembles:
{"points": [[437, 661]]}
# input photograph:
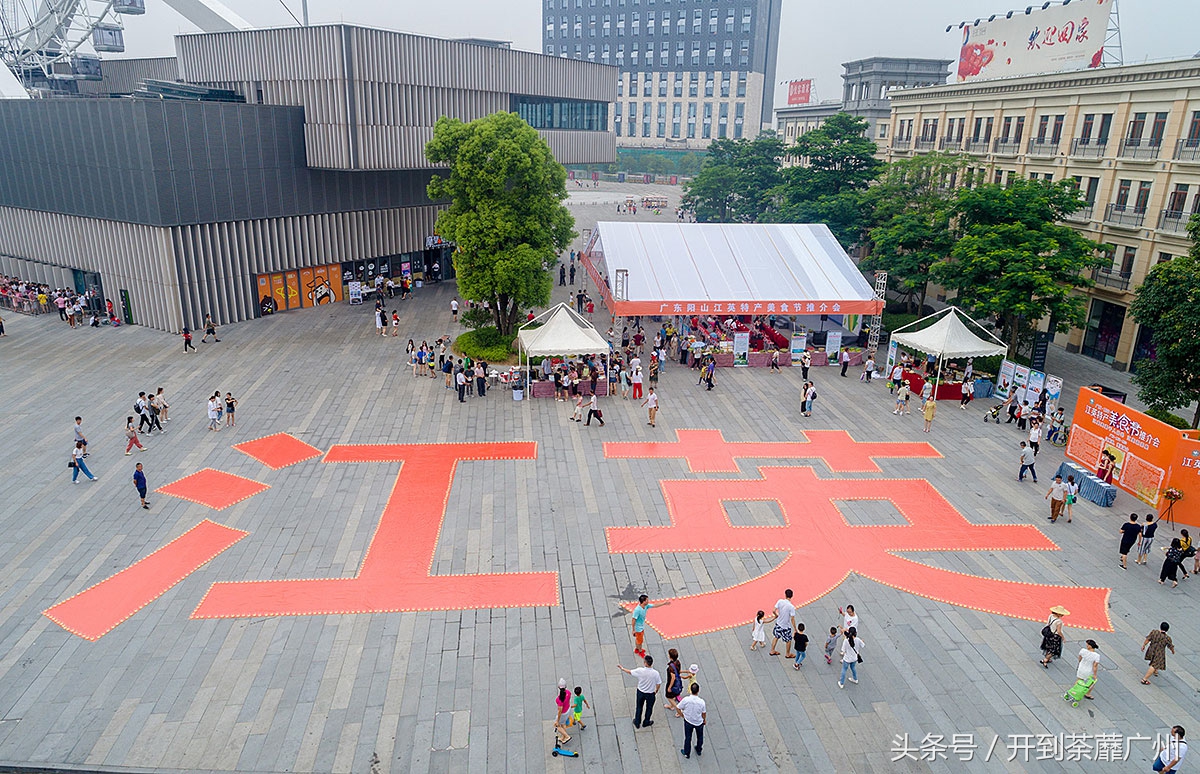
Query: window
{"points": [[712, 54], [1019, 129], [635, 26], [998, 177], [694, 85], [739, 118], [632, 119], [647, 86], [706, 127], [1193, 135], [708, 84], [1056, 134], [1164, 257], [729, 22], [620, 85], [607, 29], [741, 87], [1178, 198], [550, 28], [664, 53], [617, 119], [604, 54], [1123, 188], [633, 54], [712, 22], [724, 84], [592, 26], [723, 119], [1143, 198], [696, 22], [727, 56], [983, 130], [744, 54], [678, 91], [1090, 189], [592, 53], [679, 55], [745, 21], [620, 25], [662, 119], [1157, 130], [662, 84], [676, 117], [621, 61], [691, 128], [646, 106], [1005, 129], [562, 27], [1128, 259], [681, 23], [1136, 127], [650, 23], [579, 26], [552, 113], [1043, 128]]}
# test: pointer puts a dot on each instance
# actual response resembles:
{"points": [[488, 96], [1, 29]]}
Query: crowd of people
{"points": [[76, 309]]}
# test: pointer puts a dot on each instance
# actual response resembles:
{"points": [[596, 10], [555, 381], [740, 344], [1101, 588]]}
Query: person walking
{"points": [[132, 434], [1171, 755], [710, 371], [639, 622], [636, 380], [562, 275], [694, 712], [651, 404], [805, 364], [1052, 640], [230, 406], [160, 401], [775, 362], [1027, 461], [139, 482], [1171, 563], [572, 274], [1156, 645], [1057, 497], [1088, 667], [851, 647], [187, 340], [929, 411], [141, 407], [1147, 539], [1131, 533], [809, 394], [210, 329], [454, 309], [214, 414], [648, 682], [785, 625], [674, 682], [79, 436], [77, 464], [1035, 436], [1072, 496], [593, 410]]}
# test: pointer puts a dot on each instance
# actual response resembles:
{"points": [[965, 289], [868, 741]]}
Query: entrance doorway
{"points": [[1103, 334]]}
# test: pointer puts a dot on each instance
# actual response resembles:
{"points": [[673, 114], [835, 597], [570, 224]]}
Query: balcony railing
{"points": [[901, 144], [949, 144], [1188, 149], [1107, 278], [1124, 215], [1087, 148], [1006, 148], [1137, 148], [1174, 220], [1042, 147], [978, 146], [923, 145], [1081, 215]]}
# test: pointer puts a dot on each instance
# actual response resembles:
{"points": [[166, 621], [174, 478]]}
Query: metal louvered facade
{"points": [[371, 97], [183, 204]]}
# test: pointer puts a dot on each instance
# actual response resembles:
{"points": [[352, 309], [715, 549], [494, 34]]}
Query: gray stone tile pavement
{"points": [[472, 690]]}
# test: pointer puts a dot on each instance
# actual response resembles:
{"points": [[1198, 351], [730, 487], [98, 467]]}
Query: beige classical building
{"points": [[1130, 137]]}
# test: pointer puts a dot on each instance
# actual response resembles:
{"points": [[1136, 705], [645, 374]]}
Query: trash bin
{"points": [[518, 394]]}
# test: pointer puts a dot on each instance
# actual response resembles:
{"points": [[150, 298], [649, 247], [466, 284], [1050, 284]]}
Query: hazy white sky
{"points": [[815, 37]]}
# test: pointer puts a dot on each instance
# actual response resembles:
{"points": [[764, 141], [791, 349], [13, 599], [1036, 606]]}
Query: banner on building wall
{"points": [[800, 92], [1122, 445], [741, 348], [799, 344], [356, 292], [833, 346], [1004, 380], [1054, 39]]}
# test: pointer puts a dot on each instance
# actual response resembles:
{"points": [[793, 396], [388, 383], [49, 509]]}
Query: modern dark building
{"points": [[865, 87], [689, 72], [279, 166]]}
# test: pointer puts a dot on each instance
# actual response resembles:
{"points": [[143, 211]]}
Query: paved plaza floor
{"points": [[183, 664]]}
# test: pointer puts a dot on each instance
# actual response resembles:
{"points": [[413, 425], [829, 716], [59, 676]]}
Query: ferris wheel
{"points": [[61, 39]]}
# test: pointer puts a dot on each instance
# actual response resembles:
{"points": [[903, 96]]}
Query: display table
{"points": [[1091, 488], [945, 390], [545, 388], [820, 358], [984, 388], [763, 359]]}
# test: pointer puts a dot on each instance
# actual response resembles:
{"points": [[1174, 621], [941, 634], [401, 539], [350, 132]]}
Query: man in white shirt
{"points": [[695, 714], [648, 681], [845, 360], [1057, 497], [897, 377], [1172, 755], [651, 402], [460, 379], [454, 309], [785, 624]]}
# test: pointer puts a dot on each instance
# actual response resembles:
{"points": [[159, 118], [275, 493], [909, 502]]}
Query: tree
{"points": [[837, 164], [911, 206], [506, 217], [737, 181], [1014, 261], [1168, 302]]}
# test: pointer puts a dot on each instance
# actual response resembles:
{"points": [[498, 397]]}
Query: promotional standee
{"points": [[1146, 456], [799, 344], [833, 346], [741, 349], [356, 292]]}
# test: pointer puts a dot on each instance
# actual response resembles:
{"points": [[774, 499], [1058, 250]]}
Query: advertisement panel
{"points": [[278, 292], [833, 346], [356, 292], [335, 281], [741, 348], [306, 287], [1054, 386], [799, 344], [291, 280], [1020, 380], [1033, 390], [1004, 380], [893, 353], [1122, 445], [800, 92], [1185, 476], [1054, 39]]}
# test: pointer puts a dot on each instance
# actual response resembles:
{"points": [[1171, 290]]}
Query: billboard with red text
{"points": [[1061, 37], [800, 92]]}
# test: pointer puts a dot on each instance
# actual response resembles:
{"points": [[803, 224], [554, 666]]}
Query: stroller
{"points": [[993, 414], [1077, 691]]}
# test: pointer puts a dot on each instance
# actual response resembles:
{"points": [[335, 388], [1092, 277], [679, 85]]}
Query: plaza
{"points": [[455, 681]]}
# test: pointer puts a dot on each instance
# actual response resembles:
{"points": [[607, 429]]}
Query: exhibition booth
{"points": [[943, 334], [558, 333]]}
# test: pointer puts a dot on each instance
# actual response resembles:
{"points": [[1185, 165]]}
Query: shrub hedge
{"points": [[1173, 420], [486, 344]]}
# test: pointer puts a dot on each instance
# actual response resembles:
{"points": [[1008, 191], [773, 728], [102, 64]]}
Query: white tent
{"points": [[562, 332], [949, 337]]}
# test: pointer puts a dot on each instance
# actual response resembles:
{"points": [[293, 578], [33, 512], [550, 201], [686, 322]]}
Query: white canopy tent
{"points": [[949, 337], [563, 331]]}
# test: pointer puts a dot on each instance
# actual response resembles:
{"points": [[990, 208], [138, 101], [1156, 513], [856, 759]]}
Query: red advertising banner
{"points": [[800, 92]]}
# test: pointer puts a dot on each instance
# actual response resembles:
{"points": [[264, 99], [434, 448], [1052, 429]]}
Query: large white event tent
{"points": [[695, 268]]}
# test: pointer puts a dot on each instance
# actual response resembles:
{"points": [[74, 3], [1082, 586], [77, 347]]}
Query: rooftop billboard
{"points": [[1062, 37]]}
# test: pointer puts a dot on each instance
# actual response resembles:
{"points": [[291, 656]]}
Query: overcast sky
{"points": [[814, 39]]}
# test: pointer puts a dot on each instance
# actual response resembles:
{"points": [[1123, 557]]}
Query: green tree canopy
{"points": [[1169, 303], [1014, 261], [911, 205], [737, 181], [506, 215], [837, 163]]}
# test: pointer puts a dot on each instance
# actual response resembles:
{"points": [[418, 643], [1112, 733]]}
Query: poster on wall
{"points": [[741, 349], [1122, 446], [1054, 386], [1033, 390], [1004, 381], [833, 346], [799, 344], [1055, 39]]}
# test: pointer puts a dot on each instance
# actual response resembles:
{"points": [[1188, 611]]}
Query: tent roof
{"points": [[949, 337], [786, 265], [563, 332]]}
